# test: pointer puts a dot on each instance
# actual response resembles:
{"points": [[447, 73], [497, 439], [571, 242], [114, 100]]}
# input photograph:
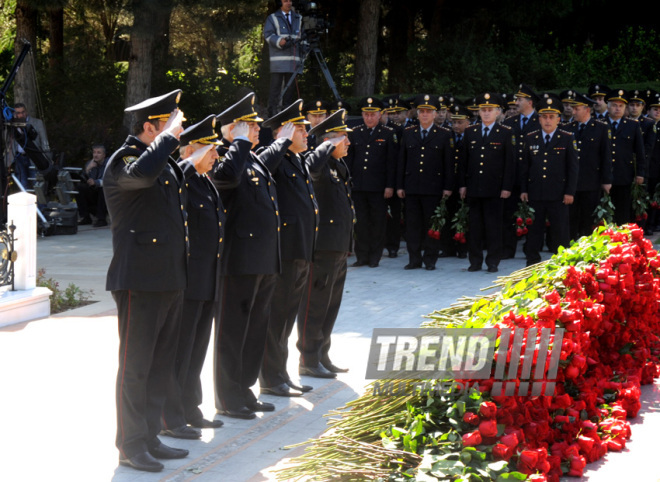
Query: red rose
{"points": [[488, 428], [488, 409], [527, 461], [577, 466], [510, 440], [471, 439], [529, 221], [519, 221], [502, 452], [471, 418]]}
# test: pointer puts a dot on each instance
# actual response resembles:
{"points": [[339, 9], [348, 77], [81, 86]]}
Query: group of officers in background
{"points": [[258, 238]]}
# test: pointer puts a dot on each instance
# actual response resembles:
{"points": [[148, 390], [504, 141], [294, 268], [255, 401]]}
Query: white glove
{"points": [[286, 132], [241, 129], [197, 156], [337, 140], [173, 125]]}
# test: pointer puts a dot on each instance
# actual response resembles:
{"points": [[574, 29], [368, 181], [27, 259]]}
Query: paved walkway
{"points": [[57, 375]]}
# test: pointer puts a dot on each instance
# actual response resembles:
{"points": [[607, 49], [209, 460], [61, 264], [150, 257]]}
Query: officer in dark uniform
{"points": [[597, 92], [548, 177], [371, 160], [595, 159], [567, 97], [522, 124], [396, 113], [144, 191], [489, 159], [323, 294], [653, 103], [316, 112], [251, 260], [443, 118], [299, 215], [425, 175], [628, 156], [206, 219]]}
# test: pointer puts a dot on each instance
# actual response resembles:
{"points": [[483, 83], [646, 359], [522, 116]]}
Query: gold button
{"points": [[201, 205], [182, 207], [368, 146], [219, 224], [277, 213], [250, 234], [272, 198], [422, 147], [278, 229], [284, 224], [220, 240], [421, 170], [218, 255], [481, 163], [316, 211], [422, 155], [421, 163], [331, 221], [181, 190], [482, 155], [185, 224], [155, 240], [481, 172], [365, 168], [269, 183], [317, 229], [544, 176], [294, 175], [311, 196], [366, 153], [167, 182], [186, 239]]}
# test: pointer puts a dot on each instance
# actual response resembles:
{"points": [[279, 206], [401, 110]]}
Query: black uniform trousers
{"points": [[393, 225], [419, 209], [320, 305], [278, 81], [622, 199], [371, 216], [451, 247], [557, 213], [485, 221], [240, 337], [509, 236], [581, 213], [194, 337], [289, 289], [148, 329]]}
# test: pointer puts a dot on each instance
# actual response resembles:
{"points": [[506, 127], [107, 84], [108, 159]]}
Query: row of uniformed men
{"points": [[613, 152], [225, 233]]}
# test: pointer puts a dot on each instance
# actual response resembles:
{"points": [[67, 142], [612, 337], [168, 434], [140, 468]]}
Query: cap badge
{"points": [[487, 96], [426, 97], [620, 92], [370, 100]]}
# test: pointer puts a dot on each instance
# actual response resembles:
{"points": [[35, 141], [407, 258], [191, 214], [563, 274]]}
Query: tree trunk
{"points": [[56, 37], [162, 44], [26, 28], [140, 64], [367, 48], [400, 23]]}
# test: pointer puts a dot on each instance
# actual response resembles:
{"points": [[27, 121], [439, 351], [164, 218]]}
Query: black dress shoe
{"points": [[474, 268], [204, 423], [492, 269], [430, 267], [244, 412], [302, 388], [412, 266], [333, 368], [261, 406], [392, 254], [319, 371], [373, 265], [142, 461], [282, 390], [163, 451], [359, 263], [100, 223], [445, 255], [182, 432], [85, 221], [461, 255]]}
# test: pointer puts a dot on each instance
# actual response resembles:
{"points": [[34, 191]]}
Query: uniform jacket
{"points": [[594, 154], [628, 156], [332, 184], [145, 194], [371, 158], [654, 160], [520, 133], [206, 226], [489, 164], [299, 213], [548, 173], [426, 166], [287, 58], [649, 133], [247, 190]]}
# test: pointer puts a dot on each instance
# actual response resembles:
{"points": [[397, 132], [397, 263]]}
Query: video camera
{"points": [[314, 23]]}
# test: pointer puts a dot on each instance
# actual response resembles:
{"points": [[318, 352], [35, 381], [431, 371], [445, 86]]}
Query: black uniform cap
{"points": [[597, 89], [341, 104], [446, 101], [370, 104], [581, 99], [155, 107], [637, 96], [652, 98], [427, 101], [618, 95], [489, 99], [243, 110], [567, 96], [550, 104], [201, 133], [334, 123], [393, 103], [318, 106], [459, 111], [509, 99], [292, 114], [526, 91]]}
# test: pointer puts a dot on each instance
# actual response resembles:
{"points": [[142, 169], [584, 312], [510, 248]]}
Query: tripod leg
{"points": [[326, 72]]}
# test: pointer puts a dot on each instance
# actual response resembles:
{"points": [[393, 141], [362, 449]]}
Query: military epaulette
{"points": [[474, 127], [602, 121], [506, 126], [565, 132], [446, 129], [533, 133], [409, 127], [634, 120]]}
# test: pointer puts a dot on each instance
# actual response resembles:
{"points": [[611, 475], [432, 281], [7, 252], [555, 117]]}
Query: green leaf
{"points": [[498, 466]]}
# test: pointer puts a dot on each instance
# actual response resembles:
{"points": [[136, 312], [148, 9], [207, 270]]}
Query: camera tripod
{"points": [[318, 55]]}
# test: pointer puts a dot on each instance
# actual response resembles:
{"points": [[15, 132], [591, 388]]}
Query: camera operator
{"points": [[90, 189], [16, 139], [282, 31]]}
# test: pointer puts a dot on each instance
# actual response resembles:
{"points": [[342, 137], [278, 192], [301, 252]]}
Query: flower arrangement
{"points": [[438, 220], [524, 216]]}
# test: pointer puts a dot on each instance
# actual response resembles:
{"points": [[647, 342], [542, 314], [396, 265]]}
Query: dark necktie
{"points": [[615, 124], [424, 133], [459, 138], [580, 130], [288, 21], [547, 140], [524, 123], [486, 129]]}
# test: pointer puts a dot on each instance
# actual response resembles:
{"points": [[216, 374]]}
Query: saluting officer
{"points": [[489, 160], [425, 175], [299, 214], [322, 296], [595, 159], [628, 156], [371, 160], [144, 192], [251, 260], [522, 124], [548, 177], [206, 219]]}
